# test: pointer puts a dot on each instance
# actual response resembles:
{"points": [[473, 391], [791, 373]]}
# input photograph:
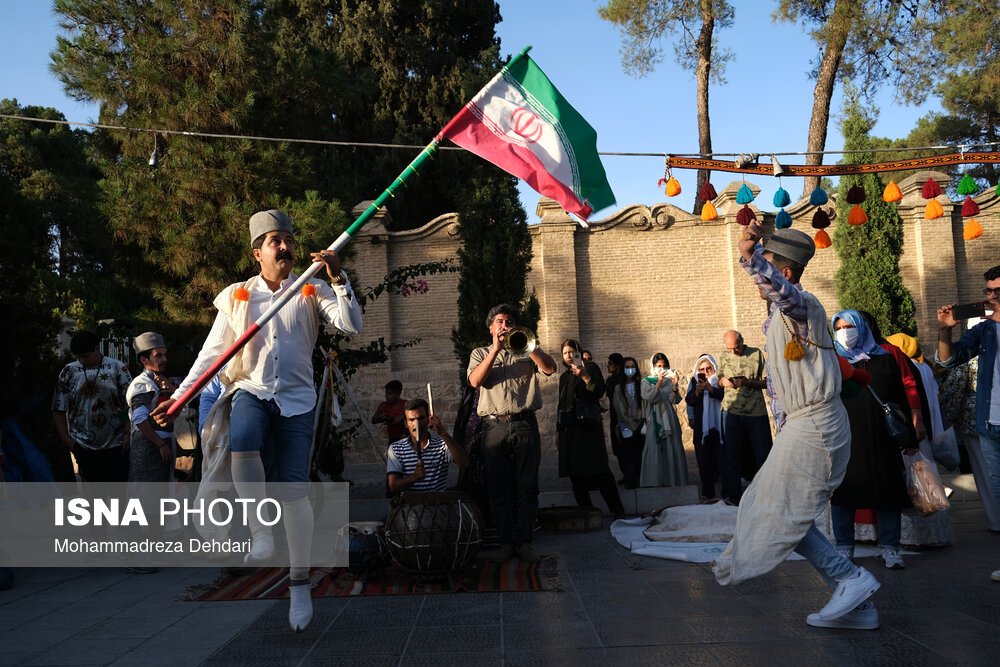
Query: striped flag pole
{"points": [[336, 246]]}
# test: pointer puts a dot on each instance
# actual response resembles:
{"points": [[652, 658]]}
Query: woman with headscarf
{"points": [[704, 408], [627, 402], [663, 461], [582, 454], [874, 477]]}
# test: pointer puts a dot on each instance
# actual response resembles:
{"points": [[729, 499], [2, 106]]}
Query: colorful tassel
{"points": [[794, 351], [818, 197], [745, 195], [782, 220], [240, 294], [708, 212], [673, 188], [822, 239], [969, 207], [745, 216], [856, 195], [933, 210], [821, 219], [967, 186], [931, 189], [857, 216], [973, 230], [708, 192], [308, 290], [781, 198], [998, 190], [892, 193]]}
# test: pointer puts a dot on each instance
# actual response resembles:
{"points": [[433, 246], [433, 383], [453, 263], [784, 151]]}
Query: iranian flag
{"points": [[521, 123]]}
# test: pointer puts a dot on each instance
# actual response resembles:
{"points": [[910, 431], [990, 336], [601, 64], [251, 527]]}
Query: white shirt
{"points": [[994, 417], [278, 360]]}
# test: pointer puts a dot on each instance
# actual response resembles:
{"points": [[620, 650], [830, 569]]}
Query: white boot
{"points": [[300, 607], [262, 549]]}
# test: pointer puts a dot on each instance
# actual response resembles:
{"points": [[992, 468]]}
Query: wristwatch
{"points": [[340, 280]]}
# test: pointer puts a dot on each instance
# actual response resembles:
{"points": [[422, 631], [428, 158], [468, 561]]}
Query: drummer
{"points": [[419, 462]]}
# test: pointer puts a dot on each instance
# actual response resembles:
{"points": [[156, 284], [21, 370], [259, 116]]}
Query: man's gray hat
{"points": [[263, 222], [148, 341], [791, 243]]}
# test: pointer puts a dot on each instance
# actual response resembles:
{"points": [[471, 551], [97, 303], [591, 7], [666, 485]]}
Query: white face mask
{"points": [[847, 338], [630, 372]]}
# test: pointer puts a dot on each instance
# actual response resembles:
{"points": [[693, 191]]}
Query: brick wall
{"points": [[646, 279]]}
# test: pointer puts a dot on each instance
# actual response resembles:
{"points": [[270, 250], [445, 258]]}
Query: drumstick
{"points": [[430, 399]]}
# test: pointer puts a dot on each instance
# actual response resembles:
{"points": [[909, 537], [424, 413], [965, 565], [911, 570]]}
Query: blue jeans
{"points": [[816, 549], [889, 526], [738, 432], [255, 423], [512, 452], [991, 456]]}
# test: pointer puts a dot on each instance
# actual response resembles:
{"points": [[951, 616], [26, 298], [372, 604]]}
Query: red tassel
{"points": [[856, 195], [708, 192], [969, 207], [821, 220], [745, 216], [931, 189]]}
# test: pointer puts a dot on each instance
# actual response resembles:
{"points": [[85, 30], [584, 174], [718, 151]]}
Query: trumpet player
{"points": [[506, 374]]}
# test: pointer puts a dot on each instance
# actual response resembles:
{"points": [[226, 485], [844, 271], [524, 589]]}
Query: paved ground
{"points": [[616, 609]]}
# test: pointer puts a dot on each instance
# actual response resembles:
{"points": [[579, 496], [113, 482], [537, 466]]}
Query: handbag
{"points": [[895, 422], [585, 413]]}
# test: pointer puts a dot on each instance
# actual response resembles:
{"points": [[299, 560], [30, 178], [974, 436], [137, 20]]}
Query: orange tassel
{"points": [[933, 210], [240, 294], [673, 188], [822, 239], [857, 216], [308, 290], [892, 193], [793, 350], [708, 212], [973, 230]]}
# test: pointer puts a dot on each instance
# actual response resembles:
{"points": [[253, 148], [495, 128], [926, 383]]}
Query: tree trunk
{"points": [[837, 31], [702, 77]]}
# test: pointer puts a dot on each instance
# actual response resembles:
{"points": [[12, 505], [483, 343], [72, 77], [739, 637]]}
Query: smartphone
{"points": [[701, 377], [966, 311]]}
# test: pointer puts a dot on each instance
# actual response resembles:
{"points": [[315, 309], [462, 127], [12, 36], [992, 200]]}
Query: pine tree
{"points": [[868, 277]]}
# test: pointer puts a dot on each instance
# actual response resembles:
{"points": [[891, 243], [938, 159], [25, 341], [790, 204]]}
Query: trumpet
{"points": [[520, 341]]}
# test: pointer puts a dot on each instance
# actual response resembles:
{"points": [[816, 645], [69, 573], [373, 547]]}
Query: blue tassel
{"points": [[818, 197], [783, 220], [781, 198], [744, 196]]}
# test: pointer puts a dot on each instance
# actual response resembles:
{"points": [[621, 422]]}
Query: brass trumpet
{"points": [[520, 341]]}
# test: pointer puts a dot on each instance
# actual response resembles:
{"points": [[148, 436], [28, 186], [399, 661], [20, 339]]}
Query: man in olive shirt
{"points": [[508, 398], [743, 373]]}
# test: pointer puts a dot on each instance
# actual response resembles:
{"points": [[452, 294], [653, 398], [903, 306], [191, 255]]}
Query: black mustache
{"points": [[284, 254]]}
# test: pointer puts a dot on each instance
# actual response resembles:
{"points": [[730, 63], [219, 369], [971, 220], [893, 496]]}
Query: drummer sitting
{"points": [[419, 462]]}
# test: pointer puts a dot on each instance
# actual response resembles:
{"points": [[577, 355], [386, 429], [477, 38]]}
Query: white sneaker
{"points": [[891, 558], [995, 576], [300, 607], [850, 592], [262, 549], [862, 617]]}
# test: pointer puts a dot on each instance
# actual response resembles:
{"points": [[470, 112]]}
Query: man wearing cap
{"points": [[151, 453], [811, 450], [270, 385]]}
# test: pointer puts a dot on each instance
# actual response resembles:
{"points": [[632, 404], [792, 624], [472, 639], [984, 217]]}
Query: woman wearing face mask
{"points": [[627, 401], [704, 401], [582, 454], [663, 462], [874, 477]]}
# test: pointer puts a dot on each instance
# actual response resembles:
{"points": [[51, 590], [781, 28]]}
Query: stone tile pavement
{"points": [[616, 609]]}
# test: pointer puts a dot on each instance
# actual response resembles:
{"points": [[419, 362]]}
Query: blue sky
{"points": [[764, 107]]}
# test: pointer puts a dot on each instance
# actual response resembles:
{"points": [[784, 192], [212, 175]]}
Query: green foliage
{"points": [[495, 258], [868, 277], [645, 22]]}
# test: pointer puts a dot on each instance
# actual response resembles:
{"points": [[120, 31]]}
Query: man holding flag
{"points": [[271, 384]]}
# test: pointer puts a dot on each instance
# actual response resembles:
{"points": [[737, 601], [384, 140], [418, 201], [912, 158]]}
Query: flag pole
{"points": [[342, 240]]}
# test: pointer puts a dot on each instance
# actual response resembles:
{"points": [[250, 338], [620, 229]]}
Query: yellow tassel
{"points": [[708, 212], [794, 351], [673, 188]]}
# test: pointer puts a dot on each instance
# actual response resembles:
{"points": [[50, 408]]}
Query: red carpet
{"points": [[483, 576]]}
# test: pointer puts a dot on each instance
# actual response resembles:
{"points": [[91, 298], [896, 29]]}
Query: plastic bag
{"points": [[945, 449], [924, 486]]}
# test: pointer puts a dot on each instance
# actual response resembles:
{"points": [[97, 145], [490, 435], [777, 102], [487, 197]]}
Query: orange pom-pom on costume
{"points": [[308, 290], [240, 294]]}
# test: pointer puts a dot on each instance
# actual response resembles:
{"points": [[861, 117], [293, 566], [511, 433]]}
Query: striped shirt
{"points": [[402, 460]]}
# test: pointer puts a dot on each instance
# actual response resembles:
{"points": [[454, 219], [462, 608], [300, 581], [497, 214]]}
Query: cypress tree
{"points": [[868, 277]]}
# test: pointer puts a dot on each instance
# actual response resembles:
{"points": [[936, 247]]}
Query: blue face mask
{"points": [[630, 372]]}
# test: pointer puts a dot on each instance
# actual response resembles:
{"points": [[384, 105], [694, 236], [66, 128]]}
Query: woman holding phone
{"points": [[663, 461], [704, 407]]}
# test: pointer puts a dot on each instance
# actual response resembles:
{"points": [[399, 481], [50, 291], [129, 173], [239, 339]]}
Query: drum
{"points": [[365, 546], [433, 532]]}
